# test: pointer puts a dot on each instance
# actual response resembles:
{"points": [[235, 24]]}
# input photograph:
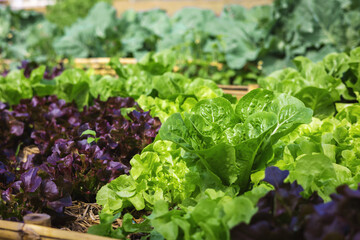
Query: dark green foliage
{"points": [[65, 12]]}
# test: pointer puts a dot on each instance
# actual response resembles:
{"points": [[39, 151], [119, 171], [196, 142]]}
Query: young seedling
{"points": [[90, 139]]}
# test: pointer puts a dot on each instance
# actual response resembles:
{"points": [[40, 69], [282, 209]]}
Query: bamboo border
{"points": [[237, 90], [16, 230], [173, 6], [4, 2], [103, 60]]}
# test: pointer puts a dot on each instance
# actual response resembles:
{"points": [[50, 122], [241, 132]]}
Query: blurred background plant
{"points": [[65, 12]]}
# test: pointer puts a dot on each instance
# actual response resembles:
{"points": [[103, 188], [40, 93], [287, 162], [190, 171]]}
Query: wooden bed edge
{"points": [[16, 230]]}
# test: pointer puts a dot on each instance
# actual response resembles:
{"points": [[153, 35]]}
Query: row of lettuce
{"points": [[244, 40], [210, 152], [322, 86], [214, 156], [66, 133]]}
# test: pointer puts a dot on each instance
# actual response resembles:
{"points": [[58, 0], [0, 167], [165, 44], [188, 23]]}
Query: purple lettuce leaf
{"points": [[275, 176], [29, 66], [30, 180], [6, 177], [65, 166], [60, 204], [284, 214], [338, 219]]}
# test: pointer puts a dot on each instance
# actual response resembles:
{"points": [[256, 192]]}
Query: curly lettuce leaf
{"points": [[241, 138]]}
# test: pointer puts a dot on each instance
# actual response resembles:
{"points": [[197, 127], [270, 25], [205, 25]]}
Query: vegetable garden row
{"points": [[243, 40], [169, 155]]}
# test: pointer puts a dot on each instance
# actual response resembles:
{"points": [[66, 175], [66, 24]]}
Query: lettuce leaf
{"points": [[162, 172], [242, 137], [319, 85], [323, 154]]}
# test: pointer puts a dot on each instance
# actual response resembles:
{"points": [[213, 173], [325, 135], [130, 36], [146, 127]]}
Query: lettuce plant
{"points": [[285, 214], [319, 85], [231, 142], [214, 146], [65, 165], [323, 154]]}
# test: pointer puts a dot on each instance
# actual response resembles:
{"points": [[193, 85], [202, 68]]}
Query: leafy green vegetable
{"points": [[65, 12], [162, 172], [162, 92], [106, 87], [198, 221], [73, 85], [323, 154], [15, 87], [311, 29], [26, 34], [244, 42], [241, 138], [105, 227], [178, 173], [86, 37], [319, 85]]}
